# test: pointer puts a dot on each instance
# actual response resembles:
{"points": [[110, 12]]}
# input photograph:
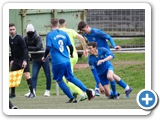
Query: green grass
{"points": [[58, 102], [132, 42], [123, 42], [129, 66]]}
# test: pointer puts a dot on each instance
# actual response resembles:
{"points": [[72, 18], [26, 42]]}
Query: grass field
{"points": [[129, 66], [58, 102]]}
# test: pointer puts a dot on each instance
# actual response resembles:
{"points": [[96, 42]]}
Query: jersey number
{"points": [[61, 46]]}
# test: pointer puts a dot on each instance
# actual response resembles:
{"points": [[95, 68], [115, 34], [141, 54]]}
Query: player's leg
{"points": [[74, 89], [112, 82], [58, 72], [97, 91], [121, 83], [70, 77], [105, 83]]}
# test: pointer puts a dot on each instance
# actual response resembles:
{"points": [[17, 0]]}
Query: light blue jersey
{"points": [[100, 37], [58, 41]]}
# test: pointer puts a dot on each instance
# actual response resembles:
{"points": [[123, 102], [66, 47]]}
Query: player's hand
{"points": [[100, 62], [66, 81], [71, 56], [102, 90], [85, 52], [118, 47]]}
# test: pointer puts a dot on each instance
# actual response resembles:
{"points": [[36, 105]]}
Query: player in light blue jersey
{"points": [[97, 35], [56, 43], [102, 69]]}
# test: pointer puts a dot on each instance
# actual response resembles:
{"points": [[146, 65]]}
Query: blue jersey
{"points": [[102, 69], [58, 41], [97, 35], [102, 54]]}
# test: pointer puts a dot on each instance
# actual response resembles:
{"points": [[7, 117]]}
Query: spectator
{"points": [[34, 44]]}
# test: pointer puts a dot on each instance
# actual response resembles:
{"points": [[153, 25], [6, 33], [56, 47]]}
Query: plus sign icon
{"points": [[147, 99]]}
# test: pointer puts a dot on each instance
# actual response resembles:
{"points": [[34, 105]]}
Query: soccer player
{"points": [[73, 35], [56, 43], [97, 35], [102, 69], [19, 58]]}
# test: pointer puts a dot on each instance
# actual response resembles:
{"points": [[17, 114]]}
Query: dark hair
{"points": [[11, 24], [61, 21], [54, 22], [93, 44], [81, 25]]}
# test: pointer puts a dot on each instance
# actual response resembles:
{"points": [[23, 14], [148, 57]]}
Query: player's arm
{"points": [[117, 47], [94, 72], [83, 42], [107, 53], [47, 50], [105, 36], [71, 50]]}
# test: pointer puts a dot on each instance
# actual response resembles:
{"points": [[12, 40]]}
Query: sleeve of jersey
{"points": [[105, 36], [108, 53], [94, 72], [46, 51]]}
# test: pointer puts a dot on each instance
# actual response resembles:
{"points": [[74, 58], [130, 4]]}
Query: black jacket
{"points": [[18, 48], [35, 44]]}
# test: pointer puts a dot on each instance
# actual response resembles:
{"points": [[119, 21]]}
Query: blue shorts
{"points": [[61, 70], [103, 76]]}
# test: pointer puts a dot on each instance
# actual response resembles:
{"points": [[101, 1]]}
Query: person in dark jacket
{"points": [[34, 44], [11, 106], [19, 58]]}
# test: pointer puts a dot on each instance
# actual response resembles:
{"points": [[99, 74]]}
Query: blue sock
{"points": [[111, 93], [78, 83], [113, 86], [65, 89], [122, 84]]}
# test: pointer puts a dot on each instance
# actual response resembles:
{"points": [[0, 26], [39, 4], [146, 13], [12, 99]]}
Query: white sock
{"points": [[127, 88]]}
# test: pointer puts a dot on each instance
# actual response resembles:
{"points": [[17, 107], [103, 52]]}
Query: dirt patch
{"points": [[124, 63], [78, 66]]}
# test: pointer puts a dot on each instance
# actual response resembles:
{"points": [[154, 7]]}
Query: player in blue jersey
{"points": [[56, 43], [102, 69], [97, 35]]}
